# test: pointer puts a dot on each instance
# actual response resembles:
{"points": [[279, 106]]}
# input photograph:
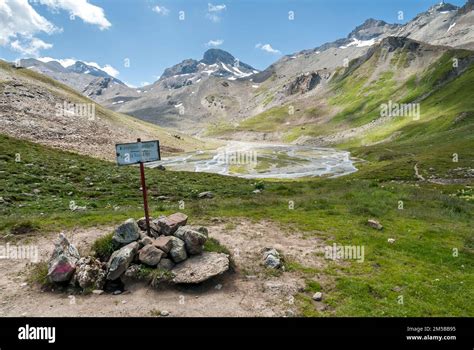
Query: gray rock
{"points": [[62, 263], [168, 225], [120, 260], [165, 264], [153, 227], [374, 224], [90, 273], [142, 234], [142, 223], [126, 233], [200, 229], [178, 250], [194, 240], [146, 240], [164, 243], [207, 194], [272, 262], [200, 268], [150, 255], [318, 296], [271, 258], [270, 251]]}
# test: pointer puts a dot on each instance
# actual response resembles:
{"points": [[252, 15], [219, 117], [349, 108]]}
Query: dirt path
{"points": [[249, 291], [417, 173]]}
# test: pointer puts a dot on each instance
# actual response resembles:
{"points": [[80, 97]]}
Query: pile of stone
{"points": [[171, 246]]}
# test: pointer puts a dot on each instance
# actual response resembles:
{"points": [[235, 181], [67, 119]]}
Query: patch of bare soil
{"points": [[250, 290]]}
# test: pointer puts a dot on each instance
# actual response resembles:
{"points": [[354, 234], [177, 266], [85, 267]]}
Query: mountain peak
{"points": [[468, 6], [370, 29], [442, 7], [213, 56], [215, 62]]}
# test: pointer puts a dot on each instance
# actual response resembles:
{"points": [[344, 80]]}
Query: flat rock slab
{"points": [[200, 268]]}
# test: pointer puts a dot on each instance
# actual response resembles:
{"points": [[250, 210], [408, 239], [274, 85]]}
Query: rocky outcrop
{"points": [[176, 253], [200, 268], [126, 233], [165, 243], [62, 263], [90, 273], [193, 240], [120, 260], [178, 250], [303, 83], [168, 225], [150, 255]]}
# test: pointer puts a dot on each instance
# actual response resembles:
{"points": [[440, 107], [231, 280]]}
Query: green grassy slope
{"points": [[443, 91], [420, 265], [120, 121]]}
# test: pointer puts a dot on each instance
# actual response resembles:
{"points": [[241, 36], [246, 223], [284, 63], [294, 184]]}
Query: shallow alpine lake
{"points": [[264, 161]]}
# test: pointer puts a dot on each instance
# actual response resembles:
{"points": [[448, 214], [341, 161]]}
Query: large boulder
{"points": [[120, 260], [126, 233], [62, 263], [150, 255], [200, 268], [90, 273], [178, 250], [194, 240], [168, 225]]}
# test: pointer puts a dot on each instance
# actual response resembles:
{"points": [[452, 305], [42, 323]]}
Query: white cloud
{"points": [[19, 23], [67, 62], [213, 12], [107, 68], [80, 8], [214, 43], [144, 83], [30, 47], [268, 48], [64, 62], [110, 70], [161, 10]]}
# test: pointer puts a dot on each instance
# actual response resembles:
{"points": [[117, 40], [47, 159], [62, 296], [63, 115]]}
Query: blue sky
{"points": [[152, 37]]}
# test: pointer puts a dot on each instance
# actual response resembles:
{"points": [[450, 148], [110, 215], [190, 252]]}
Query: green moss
{"points": [[213, 245], [306, 306], [103, 247], [154, 276], [312, 286]]}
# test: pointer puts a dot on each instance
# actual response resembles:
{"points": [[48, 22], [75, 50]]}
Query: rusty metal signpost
{"points": [[139, 153]]}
